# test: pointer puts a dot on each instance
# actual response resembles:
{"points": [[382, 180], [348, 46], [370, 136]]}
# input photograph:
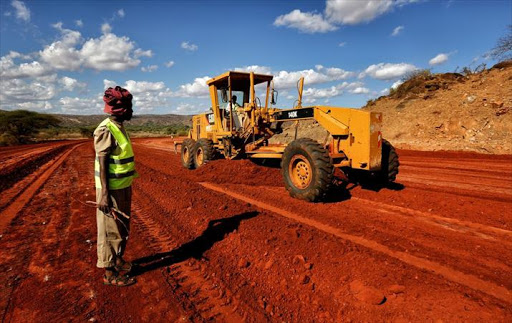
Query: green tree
{"points": [[23, 124]]}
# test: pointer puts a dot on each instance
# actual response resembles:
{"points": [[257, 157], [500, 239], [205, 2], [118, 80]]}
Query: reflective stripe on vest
{"points": [[121, 168]]}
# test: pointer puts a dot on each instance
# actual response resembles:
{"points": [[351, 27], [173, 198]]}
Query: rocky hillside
{"points": [[450, 111]]}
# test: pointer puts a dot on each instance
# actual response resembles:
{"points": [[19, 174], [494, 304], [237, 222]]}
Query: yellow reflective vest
{"points": [[121, 168]]}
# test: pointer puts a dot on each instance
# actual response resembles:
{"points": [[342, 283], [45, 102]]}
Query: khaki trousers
{"points": [[112, 235]]}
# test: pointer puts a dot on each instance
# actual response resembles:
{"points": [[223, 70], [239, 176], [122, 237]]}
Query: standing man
{"points": [[114, 170]]}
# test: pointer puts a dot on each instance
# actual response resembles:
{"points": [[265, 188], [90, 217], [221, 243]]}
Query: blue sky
{"points": [[59, 56]]}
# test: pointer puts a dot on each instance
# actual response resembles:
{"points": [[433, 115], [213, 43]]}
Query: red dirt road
{"points": [[226, 243]]}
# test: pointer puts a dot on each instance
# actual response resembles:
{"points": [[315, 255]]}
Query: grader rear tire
{"points": [[203, 152], [307, 170], [389, 164], [187, 157]]}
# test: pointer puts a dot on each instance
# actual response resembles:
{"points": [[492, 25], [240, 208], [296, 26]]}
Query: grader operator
{"points": [[242, 130]]}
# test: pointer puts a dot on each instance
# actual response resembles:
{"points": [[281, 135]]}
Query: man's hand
{"points": [[105, 204]]}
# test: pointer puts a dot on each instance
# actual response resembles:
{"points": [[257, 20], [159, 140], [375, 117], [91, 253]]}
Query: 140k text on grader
{"points": [[232, 130]]}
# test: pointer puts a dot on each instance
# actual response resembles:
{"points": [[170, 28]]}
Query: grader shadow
{"points": [[215, 232]]}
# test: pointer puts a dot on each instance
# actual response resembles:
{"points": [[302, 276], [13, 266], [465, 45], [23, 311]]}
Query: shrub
{"points": [[86, 132], [24, 124], [6, 139], [503, 48]]}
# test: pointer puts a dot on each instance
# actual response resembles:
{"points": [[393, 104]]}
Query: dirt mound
{"points": [[450, 112], [237, 172], [447, 111]]}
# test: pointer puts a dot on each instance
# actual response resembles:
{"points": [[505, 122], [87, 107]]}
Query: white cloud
{"points": [[138, 87], [139, 53], [338, 12], [79, 23], [439, 59], [254, 68], [342, 44], [106, 28], [36, 105], [286, 79], [397, 31], [360, 90], [196, 89], [350, 12], [187, 108], [62, 53], [169, 64], [149, 68], [10, 70], [21, 94], [388, 71], [22, 12], [69, 84], [312, 94], [108, 83], [306, 22], [189, 46], [109, 52], [121, 13], [80, 105]]}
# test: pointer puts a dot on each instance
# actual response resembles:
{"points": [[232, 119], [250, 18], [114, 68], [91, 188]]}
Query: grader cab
{"points": [[239, 125]]}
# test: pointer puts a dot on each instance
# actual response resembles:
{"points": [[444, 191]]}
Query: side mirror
{"points": [[274, 97], [224, 94]]}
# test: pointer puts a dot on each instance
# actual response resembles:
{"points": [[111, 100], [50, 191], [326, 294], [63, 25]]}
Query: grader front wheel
{"points": [[187, 158], [203, 152], [307, 170]]}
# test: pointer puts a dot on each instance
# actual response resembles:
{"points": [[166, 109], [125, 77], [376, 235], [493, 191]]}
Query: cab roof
{"points": [[238, 79]]}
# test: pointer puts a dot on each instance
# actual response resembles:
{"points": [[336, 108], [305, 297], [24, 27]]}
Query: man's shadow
{"points": [[216, 231]]}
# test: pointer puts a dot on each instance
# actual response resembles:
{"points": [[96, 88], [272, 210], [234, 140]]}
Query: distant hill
{"points": [[137, 120]]}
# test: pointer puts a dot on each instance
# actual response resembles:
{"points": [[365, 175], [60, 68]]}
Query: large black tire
{"points": [[187, 156], [203, 152], [307, 170], [389, 164]]}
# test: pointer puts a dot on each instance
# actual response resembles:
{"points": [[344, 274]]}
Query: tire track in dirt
{"points": [[43, 254], [472, 174], [477, 229], [503, 193], [466, 252], [502, 167], [17, 205], [207, 297], [450, 274], [19, 168]]}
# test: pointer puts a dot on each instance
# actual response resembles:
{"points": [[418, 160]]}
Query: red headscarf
{"points": [[117, 100]]}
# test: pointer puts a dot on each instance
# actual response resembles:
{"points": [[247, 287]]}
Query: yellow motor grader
{"points": [[239, 125]]}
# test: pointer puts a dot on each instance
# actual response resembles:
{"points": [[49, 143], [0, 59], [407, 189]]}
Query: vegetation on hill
{"points": [[20, 126]]}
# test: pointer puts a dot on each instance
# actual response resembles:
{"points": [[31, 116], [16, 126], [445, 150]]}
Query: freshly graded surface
{"points": [[227, 243]]}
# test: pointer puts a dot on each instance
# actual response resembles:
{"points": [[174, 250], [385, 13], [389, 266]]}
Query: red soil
{"points": [[436, 247]]}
